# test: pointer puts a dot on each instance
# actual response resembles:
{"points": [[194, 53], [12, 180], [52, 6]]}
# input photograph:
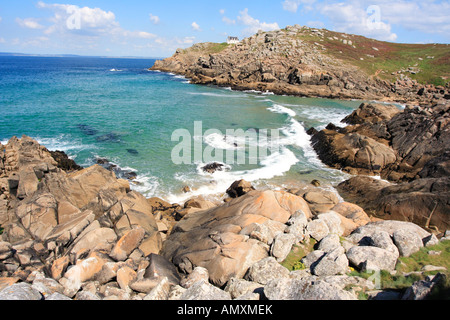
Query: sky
{"points": [[148, 28]]}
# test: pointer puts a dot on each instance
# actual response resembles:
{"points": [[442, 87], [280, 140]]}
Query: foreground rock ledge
{"points": [[85, 235]]}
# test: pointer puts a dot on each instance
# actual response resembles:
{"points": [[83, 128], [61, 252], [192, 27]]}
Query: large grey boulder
{"points": [[407, 242], [371, 258], [332, 263], [266, 270], [305, 289], [20, 291], [282, 245], [202, 290]]}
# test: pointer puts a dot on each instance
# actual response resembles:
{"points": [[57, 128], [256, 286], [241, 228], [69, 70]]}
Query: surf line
{"points": [[190, 149]]}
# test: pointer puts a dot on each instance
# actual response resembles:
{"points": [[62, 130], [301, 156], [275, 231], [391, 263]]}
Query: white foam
{"points": [[63, 143], [216, 183], [323, 115], [147, 185], [218, 95], [267, 92], [283, 110], [295, 134]]}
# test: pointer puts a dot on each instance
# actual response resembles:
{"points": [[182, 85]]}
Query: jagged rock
{"points": [[239, 188], [420, 290], [372, 113], [240, 287], [127, 244], [125, 276], [202, 290], [329, 243], [196, 275], [84, 270], [412, 201], [213, 167], [160, 291], [318, 229], [282, 245], [352, 152], [389, 226], [265, 270], [296, 226], [331, 263], [160, 267]]}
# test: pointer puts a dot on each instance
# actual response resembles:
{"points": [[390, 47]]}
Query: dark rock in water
{"points": [[239, 188], [160, 267], [102, 161], [133, 151], [315, 183], [64, 162], [312, 131], [109, 137], [213, 167], [87, 130], [119, 172], [332, 126]]}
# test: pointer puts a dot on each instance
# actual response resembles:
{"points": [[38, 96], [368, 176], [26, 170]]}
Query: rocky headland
{"points": [[83, 234], [310, 62]]}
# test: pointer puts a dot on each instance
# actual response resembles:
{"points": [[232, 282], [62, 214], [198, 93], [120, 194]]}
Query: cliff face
{"points": [[304, 62]]}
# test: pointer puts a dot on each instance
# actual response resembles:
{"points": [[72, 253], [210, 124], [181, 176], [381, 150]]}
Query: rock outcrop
{"points": [[297, 61], [409, 147]]}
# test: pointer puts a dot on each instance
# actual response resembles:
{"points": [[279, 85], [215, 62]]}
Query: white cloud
{"points": [[254, 25], [228, 20], [353, 16], [425, 16], [140, 34], [222, 11], [154, 19], [195, 26], [87, 21], [2, 40], [29, 23], [293, 5]]}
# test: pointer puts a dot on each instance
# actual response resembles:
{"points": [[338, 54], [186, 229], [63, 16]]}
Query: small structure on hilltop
{"points": [[233, 40]]}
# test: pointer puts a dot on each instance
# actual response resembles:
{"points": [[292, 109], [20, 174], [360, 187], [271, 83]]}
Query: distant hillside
{"points": [[317, 62]]}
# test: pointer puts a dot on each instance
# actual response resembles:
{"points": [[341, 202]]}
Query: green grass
{"points": [[217, 47], [292, 261], [389, 58], [408, 271]]}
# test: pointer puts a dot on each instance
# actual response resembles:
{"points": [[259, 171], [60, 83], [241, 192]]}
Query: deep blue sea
{"points": [[116, 109]]}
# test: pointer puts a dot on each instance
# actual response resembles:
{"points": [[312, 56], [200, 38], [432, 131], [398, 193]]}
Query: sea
{"points": [[158, 125]]}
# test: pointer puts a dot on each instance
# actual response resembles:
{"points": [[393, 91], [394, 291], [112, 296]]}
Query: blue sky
{"points": [[158, 28]]}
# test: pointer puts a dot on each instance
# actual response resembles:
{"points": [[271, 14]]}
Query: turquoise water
{"points": [[117, 109]]}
